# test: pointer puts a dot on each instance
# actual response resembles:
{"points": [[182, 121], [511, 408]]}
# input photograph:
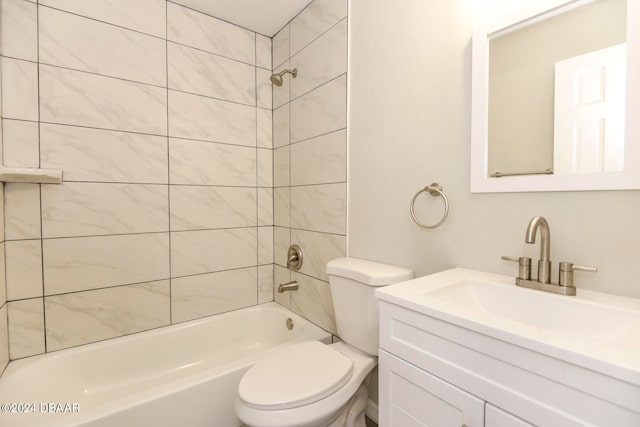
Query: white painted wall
{"points": [[409, 125]]}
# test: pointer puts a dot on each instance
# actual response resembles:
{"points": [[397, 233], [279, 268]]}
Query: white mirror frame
{"points": [[628, 179]]}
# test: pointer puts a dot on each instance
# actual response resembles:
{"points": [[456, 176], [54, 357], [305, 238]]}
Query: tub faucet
{"points": [[290, 286], [544, 263]]}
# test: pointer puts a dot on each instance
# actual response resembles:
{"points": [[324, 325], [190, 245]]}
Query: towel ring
{"points": [[435, 190]]}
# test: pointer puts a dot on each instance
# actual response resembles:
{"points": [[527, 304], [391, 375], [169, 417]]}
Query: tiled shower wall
{"points": [[310, 146], [161, 119], [4, 328]]}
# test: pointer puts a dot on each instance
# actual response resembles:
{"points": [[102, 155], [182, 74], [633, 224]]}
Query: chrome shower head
{"points": [[276, 78]]}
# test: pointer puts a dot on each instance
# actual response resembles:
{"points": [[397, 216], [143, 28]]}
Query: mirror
{"points": [[551, 87]]}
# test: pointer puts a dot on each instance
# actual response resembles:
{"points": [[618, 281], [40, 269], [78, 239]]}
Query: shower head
{"points": [[276, 78]]}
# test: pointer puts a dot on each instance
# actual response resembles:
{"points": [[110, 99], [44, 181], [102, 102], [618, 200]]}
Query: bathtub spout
{"points": [[291, 286]]}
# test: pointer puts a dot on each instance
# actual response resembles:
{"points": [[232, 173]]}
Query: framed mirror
{"points": [[556, 97]]}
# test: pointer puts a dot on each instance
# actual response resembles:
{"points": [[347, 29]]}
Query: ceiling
{"points": [[266, 17]]}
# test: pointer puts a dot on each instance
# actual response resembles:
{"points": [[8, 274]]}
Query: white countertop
{"points": [[594, 330]]}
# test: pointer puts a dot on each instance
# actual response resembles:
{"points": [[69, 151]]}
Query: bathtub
{"points": [[181, 375]]}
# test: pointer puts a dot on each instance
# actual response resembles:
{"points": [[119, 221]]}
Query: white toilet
{"points": [[316, 385]]}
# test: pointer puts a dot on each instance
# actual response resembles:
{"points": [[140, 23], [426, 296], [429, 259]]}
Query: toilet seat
{"points": [[297, 375]]}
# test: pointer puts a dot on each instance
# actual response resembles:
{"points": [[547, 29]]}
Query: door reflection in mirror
{"points": [[523, 111]]}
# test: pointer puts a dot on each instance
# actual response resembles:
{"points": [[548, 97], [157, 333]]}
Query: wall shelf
{"points": [[30, 175]]}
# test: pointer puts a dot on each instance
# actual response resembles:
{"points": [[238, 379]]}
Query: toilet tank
{"points": [[353, 282]]}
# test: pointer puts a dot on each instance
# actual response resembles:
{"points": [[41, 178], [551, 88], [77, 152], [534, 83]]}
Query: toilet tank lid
{"points": [[368, 272]]}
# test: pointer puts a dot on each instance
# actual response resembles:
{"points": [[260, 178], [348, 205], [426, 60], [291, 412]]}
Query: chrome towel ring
{"points": [[435, 190]]}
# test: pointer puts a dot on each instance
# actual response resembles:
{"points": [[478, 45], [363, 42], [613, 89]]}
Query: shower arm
{"points": [[293, 72], [276, 78]]}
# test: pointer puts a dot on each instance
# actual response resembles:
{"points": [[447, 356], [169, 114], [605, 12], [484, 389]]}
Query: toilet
{"points": [[311, 384]]}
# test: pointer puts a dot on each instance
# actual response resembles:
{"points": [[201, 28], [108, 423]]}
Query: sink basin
{"points": [[574, 318], [591, 328]]}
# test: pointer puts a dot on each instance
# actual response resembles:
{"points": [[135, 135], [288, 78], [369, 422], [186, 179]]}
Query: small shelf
{"points": [[30, 175]]}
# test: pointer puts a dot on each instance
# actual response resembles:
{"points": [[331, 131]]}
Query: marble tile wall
{"points": [[4, 326], [310, 149], [161, 119]]}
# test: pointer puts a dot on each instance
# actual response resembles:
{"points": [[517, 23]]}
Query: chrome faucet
{"points": [[544, 263]]}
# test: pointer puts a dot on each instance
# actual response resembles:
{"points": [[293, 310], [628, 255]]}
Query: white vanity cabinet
{"points": [[433, 372], [496, 417], [411, 397]]}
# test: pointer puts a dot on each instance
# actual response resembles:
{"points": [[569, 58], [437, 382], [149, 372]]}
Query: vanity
{"points": [[469, 348]]}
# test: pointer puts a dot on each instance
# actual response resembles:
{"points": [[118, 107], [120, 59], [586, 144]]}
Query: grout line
{"points": [[106, 76], [319, 36], [200, 95], [150, 281], [346, 134], [104, 129], [255, 88], [18, 59], [138, 82], [101, 21], [326, 233], [217, 54], [300, 272], [317, 136], [308, 230], [166, 61], [140, 233], [343, 74], [182, 138], [44, 311], [273, 193], [315, 184], [290, 219], [3, 237], [140, 183]]}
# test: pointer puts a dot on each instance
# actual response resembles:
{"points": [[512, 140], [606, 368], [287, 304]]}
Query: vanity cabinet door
{"points": [[496, 417], [411, 397]]}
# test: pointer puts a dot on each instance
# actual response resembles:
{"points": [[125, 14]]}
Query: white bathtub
{"points": [[181, 375]]}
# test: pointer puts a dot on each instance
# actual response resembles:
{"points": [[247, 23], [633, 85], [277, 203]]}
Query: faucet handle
{"points": [[524, 266], [583, 268], [566, 272]]}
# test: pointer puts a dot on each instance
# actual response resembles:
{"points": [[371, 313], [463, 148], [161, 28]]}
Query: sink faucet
{"points": [[565, 278], [544, 263]]}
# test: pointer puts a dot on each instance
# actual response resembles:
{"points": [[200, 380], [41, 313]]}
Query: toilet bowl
{"points": [[308, 384], [312, 384]]}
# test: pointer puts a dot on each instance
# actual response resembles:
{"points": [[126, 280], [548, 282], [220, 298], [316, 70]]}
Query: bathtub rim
{"points": [[128, 401]]}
